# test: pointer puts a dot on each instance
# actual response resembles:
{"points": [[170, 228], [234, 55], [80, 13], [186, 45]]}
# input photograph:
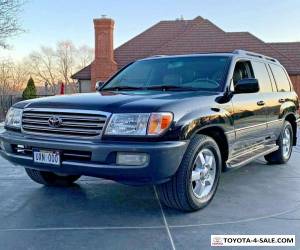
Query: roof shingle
{"points": [[290, 49], [83, 74], [198, 36]]}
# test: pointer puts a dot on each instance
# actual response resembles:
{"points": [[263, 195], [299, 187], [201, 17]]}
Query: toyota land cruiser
{"points": [[173, 121]]}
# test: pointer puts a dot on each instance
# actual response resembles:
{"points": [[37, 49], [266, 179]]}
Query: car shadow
{"points": [[246, 193], [86, 204]]}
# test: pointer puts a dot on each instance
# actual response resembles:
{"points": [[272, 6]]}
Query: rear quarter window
{"points": [[281, 79]]}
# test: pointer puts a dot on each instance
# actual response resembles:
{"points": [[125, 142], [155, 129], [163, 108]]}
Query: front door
{"points": [[249, 112]]}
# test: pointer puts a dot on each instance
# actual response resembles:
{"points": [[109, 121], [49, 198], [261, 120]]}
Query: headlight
{"points": [[13, 118], [139, 124]]}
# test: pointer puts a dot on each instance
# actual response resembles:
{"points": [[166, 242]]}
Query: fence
{"points": [[6, 101]]}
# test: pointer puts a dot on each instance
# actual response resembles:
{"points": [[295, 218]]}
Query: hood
{"points": [[142, 101]]}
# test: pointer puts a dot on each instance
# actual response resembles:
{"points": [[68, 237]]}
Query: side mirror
{"points": [[247, 85], [98, 85]]}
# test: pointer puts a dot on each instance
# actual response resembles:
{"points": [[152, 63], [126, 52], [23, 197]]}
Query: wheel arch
{"points": [[218, 134]]}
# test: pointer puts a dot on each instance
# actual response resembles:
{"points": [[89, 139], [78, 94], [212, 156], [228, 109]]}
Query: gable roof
{"points": [[150, 40], [83, 74], [290, 49], [160, 38], [198, 36]]}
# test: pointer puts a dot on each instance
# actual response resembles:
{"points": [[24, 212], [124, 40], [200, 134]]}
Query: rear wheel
{"points": [[285, 143], [51, 179], [197, 178]]}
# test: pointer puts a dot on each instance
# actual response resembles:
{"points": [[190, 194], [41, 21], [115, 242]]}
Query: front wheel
{"points": [[285, 143], [195, 183], [51, 179]]}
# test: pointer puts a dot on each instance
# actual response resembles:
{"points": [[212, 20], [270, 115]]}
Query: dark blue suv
{"points": [[173, 121]]}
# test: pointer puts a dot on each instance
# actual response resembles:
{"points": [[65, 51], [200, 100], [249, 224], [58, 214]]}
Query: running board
{"points": [[245, 158]]}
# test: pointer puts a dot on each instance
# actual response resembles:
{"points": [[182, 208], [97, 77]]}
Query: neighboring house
{"points": [[178, 37]]}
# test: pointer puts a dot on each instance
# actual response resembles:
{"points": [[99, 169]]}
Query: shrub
{"points": [[30, 90]]}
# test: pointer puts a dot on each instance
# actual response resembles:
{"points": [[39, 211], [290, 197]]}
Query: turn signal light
{"points": [[159, 122]]}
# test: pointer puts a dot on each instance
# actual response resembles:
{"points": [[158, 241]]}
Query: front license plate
{"points": [[46, 157]]}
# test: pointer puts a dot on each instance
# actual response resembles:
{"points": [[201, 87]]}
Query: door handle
{"points": [[281, 100], [260, 103]]}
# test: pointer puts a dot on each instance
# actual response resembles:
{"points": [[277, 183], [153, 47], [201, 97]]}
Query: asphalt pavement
{"points": [[101, 214]]}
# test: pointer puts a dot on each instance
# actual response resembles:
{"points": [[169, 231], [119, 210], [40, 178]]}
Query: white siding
{"points": [[85, 86]]}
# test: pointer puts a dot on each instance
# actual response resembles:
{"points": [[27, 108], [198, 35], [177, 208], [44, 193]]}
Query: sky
{"points": [[49, 21]]}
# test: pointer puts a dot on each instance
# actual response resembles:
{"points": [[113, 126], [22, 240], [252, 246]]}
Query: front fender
{"points": [[197, 120]]}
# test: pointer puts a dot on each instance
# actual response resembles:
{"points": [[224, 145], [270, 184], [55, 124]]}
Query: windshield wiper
{"points": [[157, 87], [169, 87], [119, 88]]}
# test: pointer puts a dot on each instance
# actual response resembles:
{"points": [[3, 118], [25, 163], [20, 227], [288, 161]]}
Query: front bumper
{"points": [[164, 157]]}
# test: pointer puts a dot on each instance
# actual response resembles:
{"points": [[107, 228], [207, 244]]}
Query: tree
{"points": [[30, 90], [9, 25], [12, 77], [51, 66], [6, 67], [43, 67], [19, 76], [84, 56], [66, 59]]}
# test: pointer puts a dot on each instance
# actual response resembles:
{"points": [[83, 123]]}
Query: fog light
{"points": [[132, 159]]}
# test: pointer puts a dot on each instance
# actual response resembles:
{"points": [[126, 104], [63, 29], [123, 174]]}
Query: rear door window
{"points": [[262, 75], [281, 79]]}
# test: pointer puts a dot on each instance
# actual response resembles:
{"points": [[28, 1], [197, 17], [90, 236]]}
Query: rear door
{"points": [[267, 92], [282, 99]]}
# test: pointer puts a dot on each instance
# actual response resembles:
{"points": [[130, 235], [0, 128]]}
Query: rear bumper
{"points": [[164, 157]]}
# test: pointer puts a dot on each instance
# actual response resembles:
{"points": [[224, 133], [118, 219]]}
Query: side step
{"points": [[250, 155]]}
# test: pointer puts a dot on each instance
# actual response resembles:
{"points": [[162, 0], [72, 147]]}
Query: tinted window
{"points": [[262, 75], [281, 79], [200, 73]]}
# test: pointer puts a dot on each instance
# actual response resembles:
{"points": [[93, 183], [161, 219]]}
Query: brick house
{"points": [[178, 37]]}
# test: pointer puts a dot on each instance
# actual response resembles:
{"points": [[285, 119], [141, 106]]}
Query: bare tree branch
{"points": [[9, 15], [43, 67], [12, 77], [51, 66], [84, 56], [65, 53]]}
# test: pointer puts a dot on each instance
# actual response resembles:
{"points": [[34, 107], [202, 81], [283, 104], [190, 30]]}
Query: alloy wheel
{"points": [[204, 173]]}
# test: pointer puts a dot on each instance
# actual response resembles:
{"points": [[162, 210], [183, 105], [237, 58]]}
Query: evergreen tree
{"points": [[30, 90]]}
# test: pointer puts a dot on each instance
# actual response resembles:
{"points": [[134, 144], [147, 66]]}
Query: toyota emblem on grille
{"points": [[55, 121]]}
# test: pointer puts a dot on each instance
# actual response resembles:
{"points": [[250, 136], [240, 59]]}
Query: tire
{"points": [[181, 192], [281, 156], [51, 179]]}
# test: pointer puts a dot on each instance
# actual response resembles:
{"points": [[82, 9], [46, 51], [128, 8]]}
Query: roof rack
{"points": [[155, 56], [249, 53]]}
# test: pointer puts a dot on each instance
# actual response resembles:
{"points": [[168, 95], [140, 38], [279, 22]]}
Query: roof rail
{"points": [[249, 53], [155, 56]]}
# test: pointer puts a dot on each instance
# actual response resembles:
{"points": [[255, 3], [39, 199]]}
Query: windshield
{"points": [[179, 73]]}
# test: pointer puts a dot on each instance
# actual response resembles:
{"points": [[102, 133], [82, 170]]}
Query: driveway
{"points": [[100, 214]]}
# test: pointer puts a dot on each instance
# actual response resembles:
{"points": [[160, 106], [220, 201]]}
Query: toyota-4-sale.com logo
{"points": [[253, 240]]}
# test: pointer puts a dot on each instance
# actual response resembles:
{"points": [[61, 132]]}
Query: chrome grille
{"points": [[73, 123]]}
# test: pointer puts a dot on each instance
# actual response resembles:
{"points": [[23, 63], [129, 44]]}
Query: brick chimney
{"points": [[104, 64]]}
